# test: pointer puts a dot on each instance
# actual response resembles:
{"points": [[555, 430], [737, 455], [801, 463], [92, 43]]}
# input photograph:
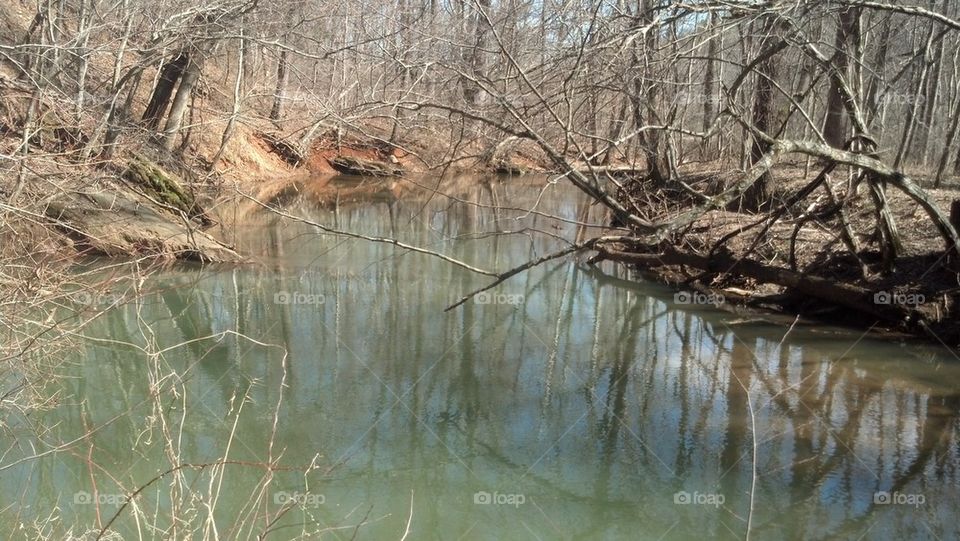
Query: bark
{"points": [[82, 60], [170, 73], [956, 164], [113, 121], [616, 130], [825, 289], [759, 195], [930, 104], [871, 99], [191, 73], [955, 222], [907, 139], [278, 95], [107, 126], [232, 121], [710, 83], [847, 42], [477, 56], [846, 231], [27, 58], [948, 145], [644, 97], [890, 243]]}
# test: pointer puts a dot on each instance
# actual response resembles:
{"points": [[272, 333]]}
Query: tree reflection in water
{"points": [[596, 397]]}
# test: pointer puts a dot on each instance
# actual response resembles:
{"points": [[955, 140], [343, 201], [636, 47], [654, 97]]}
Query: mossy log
{"points": [[163, 187]]}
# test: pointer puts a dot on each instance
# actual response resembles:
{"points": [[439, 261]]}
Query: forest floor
{"points": [[804, 267]]}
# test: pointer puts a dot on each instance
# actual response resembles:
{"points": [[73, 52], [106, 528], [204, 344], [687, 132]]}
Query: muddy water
{"points": [[569, 403]]}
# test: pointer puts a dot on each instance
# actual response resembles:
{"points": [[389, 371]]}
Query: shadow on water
{"points": [[569, 403]]}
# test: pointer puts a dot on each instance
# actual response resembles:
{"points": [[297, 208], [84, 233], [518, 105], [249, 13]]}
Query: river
{"points": [[570, 402]]}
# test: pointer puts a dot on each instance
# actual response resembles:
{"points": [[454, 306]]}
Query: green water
{"points": [[578, 403]]}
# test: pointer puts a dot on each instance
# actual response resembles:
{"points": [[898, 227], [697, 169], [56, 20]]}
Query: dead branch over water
{"points": [[809, 146]]}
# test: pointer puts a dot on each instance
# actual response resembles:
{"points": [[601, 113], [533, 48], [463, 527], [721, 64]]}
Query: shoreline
{"points": [[138, 220]]}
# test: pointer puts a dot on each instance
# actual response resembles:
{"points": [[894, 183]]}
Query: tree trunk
{"points": [[477, 56], [187, 81], [113, 122], [644, 98], [82, 59], [952, 258], [232, 121], [710, 82], [759, 194], [956, 164], [170, 73], [616, 131], [912, 117], [948, 145], [108, 122], [930, 104], [278, 95], [879, 67], [846, 43]]}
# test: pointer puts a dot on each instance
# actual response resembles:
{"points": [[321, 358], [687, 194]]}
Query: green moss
{"points": [[159, 185]]}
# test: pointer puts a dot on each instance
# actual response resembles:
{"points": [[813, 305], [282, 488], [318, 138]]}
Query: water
{"points": [[570, 403]]}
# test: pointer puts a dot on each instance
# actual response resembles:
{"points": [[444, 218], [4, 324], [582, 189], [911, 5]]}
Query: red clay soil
{"points": [[318, 162]]}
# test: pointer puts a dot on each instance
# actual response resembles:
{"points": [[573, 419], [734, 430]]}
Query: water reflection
{"points": [[574, 403]]}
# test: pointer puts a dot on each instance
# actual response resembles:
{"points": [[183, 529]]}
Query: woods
{"points": [[626, 81], [642, 83], [662, 111], [543, 200]]}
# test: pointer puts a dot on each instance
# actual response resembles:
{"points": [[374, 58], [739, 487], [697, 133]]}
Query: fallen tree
{"points": [[828, 290]]}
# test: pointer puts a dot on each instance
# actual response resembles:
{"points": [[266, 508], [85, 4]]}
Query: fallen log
{"points": [[357, 166], [722, 262], [161, 186]]}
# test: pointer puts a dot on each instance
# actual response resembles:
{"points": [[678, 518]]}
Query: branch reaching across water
{"points": [[384, 240], [578, 247]]}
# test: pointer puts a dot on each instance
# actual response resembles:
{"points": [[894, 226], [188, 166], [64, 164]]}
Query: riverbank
{"points": [[142, 201], [284, 350], [810, 260], [798, 266]]}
